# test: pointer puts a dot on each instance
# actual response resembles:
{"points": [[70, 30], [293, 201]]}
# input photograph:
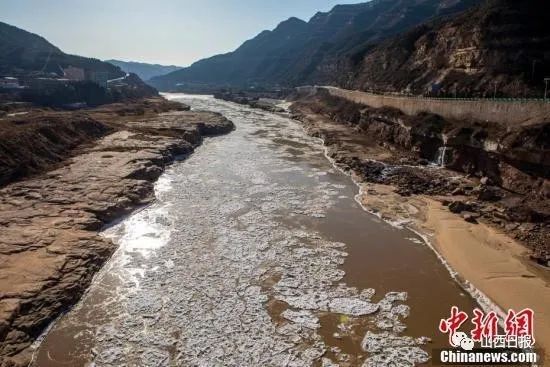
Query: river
{"points": [[256, 253]]}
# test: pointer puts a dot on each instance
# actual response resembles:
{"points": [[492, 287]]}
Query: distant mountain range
{"points": [[143, 70], [23, 54], [298, 52]]}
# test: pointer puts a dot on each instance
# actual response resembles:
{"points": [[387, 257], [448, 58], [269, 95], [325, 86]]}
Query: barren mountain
{"points": [[499, 47]]}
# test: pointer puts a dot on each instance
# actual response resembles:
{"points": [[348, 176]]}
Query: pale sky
{"points": [[175, 32]]}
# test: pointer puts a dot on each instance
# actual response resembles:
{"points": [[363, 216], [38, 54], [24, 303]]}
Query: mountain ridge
{"points": [[296, 51], [23, 53]]}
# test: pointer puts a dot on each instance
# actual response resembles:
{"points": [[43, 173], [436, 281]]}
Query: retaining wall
{"points": [[502, 112]]}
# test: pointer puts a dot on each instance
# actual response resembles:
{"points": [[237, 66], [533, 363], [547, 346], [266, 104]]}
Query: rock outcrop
{"points": [[267, 101], [34, 140], [49, 242]]}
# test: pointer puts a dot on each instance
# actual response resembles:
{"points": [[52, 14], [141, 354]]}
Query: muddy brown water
{"points": [[254, 254]]}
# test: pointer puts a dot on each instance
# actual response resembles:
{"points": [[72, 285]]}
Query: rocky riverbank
{"points": [[503, 173], [49, 244], [485, 211], [33, 140], [265, 101]]}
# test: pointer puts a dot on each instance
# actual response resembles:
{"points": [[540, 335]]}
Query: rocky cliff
{"points": [[499, 48]]}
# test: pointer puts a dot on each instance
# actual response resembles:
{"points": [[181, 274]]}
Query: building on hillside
{"points": [[9, 83], [99, 77], [74, 73]]}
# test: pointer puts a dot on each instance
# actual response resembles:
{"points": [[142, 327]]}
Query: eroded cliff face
{"points": [[34, 140], [516, 158], [510, 166], [499, 48]]}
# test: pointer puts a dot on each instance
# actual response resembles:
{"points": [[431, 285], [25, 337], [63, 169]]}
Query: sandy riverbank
{"points": [[49, 244], [484, 259]]}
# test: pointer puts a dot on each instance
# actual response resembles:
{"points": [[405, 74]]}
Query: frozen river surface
{"points": [[256, 254]]}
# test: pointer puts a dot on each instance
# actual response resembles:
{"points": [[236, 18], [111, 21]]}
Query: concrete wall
{"points": [[502, 112]]}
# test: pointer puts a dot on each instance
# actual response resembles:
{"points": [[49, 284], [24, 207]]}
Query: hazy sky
{"points": [[161, 31]]}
